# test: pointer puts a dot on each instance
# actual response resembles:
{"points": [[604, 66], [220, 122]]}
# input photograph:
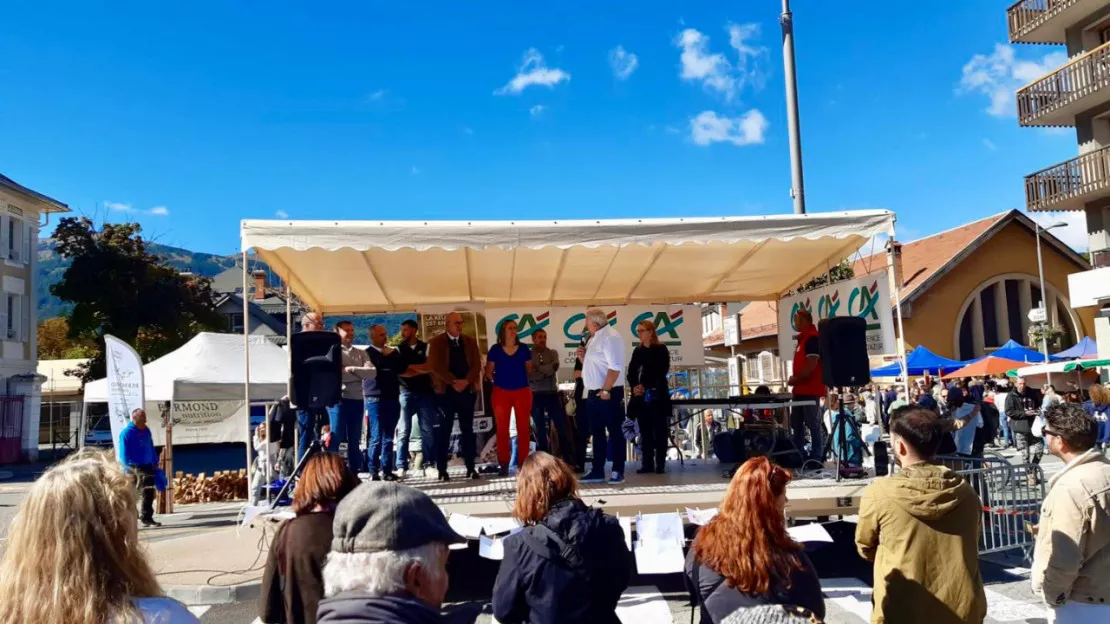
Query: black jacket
{"points": [[1016, 404], [541, 583], [718, 600], [359, 608], [293, 580]]}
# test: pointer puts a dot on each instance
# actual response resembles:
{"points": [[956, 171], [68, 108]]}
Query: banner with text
{"points": [[867, 297], [125, 384], [678, 326], [198, 422]]}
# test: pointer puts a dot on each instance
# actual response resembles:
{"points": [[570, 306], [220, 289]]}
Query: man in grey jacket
{"points": [[546, 402]]}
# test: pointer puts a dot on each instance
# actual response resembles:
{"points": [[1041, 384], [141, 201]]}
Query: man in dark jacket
{"points": [[571, 568], [388, 561], [1022, 407]]}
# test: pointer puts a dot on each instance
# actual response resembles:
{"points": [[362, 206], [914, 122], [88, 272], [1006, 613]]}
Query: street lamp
{"points": [[1044, 293]]}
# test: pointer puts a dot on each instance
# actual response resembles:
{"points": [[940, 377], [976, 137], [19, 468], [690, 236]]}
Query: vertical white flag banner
{"points": [[125, 384]]}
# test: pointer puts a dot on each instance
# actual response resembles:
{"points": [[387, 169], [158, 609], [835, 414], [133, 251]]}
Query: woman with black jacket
{"points": [[650, 403], [744, 558], [570, 563]]}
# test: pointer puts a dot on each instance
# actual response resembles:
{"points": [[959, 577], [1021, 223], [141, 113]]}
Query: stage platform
{"points": [[697, 484]]}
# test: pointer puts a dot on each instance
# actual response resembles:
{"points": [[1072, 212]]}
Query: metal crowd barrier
{"points": [[1011, 497]]}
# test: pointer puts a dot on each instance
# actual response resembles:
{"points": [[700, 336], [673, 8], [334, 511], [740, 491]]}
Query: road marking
{"points": [[1003, 608], [199, 610], [850, 594], [644, 604]]}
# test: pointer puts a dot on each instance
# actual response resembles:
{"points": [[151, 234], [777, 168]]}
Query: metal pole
{"points": [[797, 184], [900, 343], [247, 363], [1044, 298]]}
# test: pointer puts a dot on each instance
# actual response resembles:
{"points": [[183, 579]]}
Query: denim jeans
{"points": [[548, 405], [306, 430], [456, 405], [1004, 428], [424, 407], [607, 417], [381, 422], [807, 417], [346, 426]]}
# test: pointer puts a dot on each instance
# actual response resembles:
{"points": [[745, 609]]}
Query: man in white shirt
{"points": [[602, 375], [346, 416]]}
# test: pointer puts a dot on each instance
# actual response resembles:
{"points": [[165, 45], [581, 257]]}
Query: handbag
{"points": [[1038, 426]]}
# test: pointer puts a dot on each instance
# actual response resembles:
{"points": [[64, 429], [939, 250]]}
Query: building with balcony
{"points": [[1077, 95], [22, 212]]}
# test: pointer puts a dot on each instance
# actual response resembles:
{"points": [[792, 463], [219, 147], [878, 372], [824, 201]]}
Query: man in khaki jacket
{"points": [[456, 365], [1071, 561], [921, 526]]}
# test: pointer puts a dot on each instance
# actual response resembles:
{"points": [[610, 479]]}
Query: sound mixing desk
{"points": [[773, 417]]}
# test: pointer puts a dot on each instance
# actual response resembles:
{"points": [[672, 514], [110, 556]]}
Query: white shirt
{"points": [[604, 352]]}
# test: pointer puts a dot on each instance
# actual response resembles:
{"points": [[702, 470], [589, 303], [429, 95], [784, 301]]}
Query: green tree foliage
{"points": [[117, 286], [55, 344], [839, 272]]}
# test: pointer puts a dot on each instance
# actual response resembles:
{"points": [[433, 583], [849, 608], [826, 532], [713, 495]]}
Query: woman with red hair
{"points": [[744, 558]]}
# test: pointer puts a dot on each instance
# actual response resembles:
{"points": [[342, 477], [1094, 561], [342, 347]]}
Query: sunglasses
{"points": [[1048, 432]]}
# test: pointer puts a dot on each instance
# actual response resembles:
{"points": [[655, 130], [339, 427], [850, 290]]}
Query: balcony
{"points": [[1070, 184], [1057, 98], [1044, 21]]}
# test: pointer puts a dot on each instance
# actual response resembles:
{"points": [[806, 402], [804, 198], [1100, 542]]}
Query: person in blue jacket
{"points": [[136, 452]]}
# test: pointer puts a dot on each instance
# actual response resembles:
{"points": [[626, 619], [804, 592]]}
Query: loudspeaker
{"points": [[843, 345], [317, 369], [882, 459]]}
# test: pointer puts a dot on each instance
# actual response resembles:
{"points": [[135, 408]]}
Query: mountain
{"points": [[51, 266]]}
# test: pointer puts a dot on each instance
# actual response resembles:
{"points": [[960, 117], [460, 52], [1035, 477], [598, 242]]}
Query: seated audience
{"points": [[293, 581], [388, 561], [570, 564], [744, 558], [73, 552]]}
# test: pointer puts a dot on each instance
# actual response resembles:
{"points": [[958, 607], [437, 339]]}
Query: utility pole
{"points": [[797, 184]]}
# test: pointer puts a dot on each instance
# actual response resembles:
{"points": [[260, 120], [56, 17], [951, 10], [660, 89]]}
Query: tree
{"points": [[55, 344], [839, 272], [118, 287]]}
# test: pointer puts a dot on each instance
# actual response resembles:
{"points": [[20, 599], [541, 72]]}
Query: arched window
{"points": [[998, 311]]}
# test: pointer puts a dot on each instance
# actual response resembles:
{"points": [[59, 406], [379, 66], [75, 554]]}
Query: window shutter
{"points": [[25, 311], [4, 315], [4, 236], [29, 242]]}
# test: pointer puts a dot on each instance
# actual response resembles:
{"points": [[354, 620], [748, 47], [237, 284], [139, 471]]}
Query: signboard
{"points": [[1037, 315], [125, 384], [733, 376], [867, 297], [200, 422], [566, 328], [731, 326]]}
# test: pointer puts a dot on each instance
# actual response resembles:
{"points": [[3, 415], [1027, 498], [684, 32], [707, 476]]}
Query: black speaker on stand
{"points": [[316, 368], [843, 344]]}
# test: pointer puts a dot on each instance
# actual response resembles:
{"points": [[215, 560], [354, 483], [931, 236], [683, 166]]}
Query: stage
{"points": [[697, 484]]}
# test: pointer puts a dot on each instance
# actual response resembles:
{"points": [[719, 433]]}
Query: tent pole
{"points": [[900, 341], [247, 362], [168, 494]]}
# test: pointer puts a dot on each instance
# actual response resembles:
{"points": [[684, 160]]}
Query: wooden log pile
{"points": [[221, 486]]}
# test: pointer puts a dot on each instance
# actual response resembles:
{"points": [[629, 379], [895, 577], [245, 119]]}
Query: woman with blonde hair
{"points": [[650, 403], [73, 552], [570, 563], [744, 558]]}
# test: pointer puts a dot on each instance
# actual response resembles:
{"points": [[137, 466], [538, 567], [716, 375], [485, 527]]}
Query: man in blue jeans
{"points": [[383, 404], [602, 374], [418, 398], [346, 417], [546, 402]]}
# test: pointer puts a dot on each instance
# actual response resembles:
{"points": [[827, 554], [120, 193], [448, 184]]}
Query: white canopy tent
{"points": [[351, 267], [210, 367]]}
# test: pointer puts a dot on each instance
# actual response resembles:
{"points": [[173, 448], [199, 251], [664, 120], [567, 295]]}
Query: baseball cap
{"points": [[384, 515]]}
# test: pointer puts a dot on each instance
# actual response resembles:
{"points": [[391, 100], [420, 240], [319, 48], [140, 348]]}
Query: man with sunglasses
{"points": [[1071, 560]]}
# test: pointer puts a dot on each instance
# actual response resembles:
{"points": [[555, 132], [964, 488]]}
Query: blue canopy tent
{"points": [[920, 361], [1086, 348], [1017, 352]]}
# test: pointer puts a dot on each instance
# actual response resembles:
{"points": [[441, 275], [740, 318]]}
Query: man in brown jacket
{"points": [[456, 366], [1071, 561], [921, 526]]}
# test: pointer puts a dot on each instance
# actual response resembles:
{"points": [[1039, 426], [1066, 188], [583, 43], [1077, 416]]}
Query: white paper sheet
{"points": [[496, 526], [809, 533], [659, 543], [644, 605], [491, 548], [466, 526], [700, 517], [664, 526], [626, 526]]}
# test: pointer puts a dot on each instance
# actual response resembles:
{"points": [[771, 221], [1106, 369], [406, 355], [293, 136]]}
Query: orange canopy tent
{"points": [[989, 365]]}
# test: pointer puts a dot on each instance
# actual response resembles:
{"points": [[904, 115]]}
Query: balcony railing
{"points": [[1081, 77], [1068, 185], [1025, 15]]}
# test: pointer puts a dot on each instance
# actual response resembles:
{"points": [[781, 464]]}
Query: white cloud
{"points": [[281, 214], [533, 72], [467, 130], [623, 62], [747, 129], [989, 144], [536, 110], [1000, 73], [158, 211], [1074, 234], [713, 70], [415, 171], [377, 96]]}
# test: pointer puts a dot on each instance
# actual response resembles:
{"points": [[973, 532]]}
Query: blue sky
{"points": [[190, 119]]}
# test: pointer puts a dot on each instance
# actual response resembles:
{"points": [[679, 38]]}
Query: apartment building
{"points": [[22, 212], [1074, 95]]}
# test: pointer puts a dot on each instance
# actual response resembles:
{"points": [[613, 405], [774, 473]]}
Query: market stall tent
{"points": [[920, 361], [1018, 352], [1084, 349]]}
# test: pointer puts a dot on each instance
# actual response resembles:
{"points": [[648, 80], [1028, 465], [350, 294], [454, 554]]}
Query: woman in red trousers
{"points": [[507, 366]]}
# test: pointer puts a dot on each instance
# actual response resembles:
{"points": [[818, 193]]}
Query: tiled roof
{"points": [[921, 260]]}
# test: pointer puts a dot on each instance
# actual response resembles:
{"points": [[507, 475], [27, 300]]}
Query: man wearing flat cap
{"points": [[388, 560]]}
